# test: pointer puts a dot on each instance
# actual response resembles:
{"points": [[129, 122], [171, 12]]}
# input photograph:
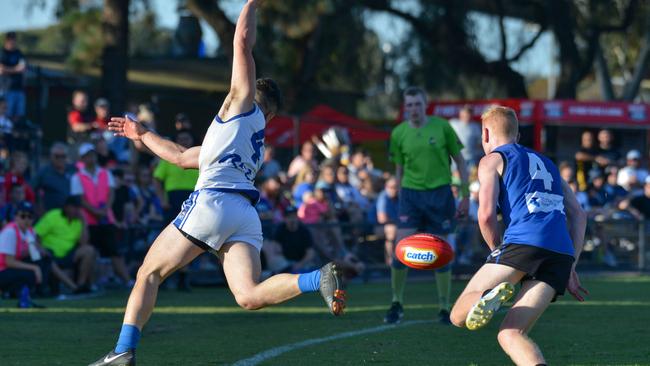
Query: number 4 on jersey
{"points": [[538, 171]]}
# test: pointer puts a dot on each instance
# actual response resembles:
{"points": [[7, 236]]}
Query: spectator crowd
{"points": [[85, 218]]}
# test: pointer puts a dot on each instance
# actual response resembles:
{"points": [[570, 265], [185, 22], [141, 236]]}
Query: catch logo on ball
{"points": [[420, 256], [424, 251]]}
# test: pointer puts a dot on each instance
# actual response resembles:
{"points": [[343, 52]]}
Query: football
{"points": [[424, 251]]}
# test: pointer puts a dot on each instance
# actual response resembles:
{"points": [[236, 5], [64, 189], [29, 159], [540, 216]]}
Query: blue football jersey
{"points": [[531, 200]]}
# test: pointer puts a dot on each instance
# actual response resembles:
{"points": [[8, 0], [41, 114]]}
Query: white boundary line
{"points": [[277, 351]]}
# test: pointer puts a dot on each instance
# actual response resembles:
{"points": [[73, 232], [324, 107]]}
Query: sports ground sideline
{"points": [[206, 327]]}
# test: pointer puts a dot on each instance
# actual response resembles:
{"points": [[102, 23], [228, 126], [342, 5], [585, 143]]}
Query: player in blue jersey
{"points": [[544, 233], [219, 216]]}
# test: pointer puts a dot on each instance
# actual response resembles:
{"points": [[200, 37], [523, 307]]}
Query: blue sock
{"points": [[309, 282], [129, 337]]}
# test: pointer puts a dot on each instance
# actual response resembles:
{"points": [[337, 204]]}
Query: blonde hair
{"points": [[501, 121]]}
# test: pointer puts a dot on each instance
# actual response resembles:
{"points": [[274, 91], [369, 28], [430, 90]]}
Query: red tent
{"points": [[281, 130]]}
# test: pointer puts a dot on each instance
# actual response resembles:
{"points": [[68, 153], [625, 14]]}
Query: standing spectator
{"points": [[632, 176], [102, 114], [306, 158], [388, 216], [6, 126], [270, 166], [607, 155], [469, 133], [63, 232], [80, 121], [12, 70], [182, 122], [52, 183], [421, 148], [585, 159], [174, 184], [95, 186], [18, 164]]}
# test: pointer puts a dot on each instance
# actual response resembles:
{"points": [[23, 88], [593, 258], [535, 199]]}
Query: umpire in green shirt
{"points": [[421, 148]]}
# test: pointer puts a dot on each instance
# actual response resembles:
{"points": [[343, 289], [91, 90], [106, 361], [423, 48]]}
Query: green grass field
{"points": [[206, 327]]}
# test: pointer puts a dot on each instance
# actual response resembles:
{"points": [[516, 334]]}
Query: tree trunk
{"points": [[210, 11], [602, 74], [115, 33], [640, 69]]}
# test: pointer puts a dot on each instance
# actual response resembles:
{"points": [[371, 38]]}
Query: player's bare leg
{"points": [[241, 265], [487, 277], [169, 252], [531, 302]]}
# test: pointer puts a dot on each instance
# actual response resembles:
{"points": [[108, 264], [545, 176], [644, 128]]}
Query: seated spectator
{"points": [[327, 182], [23, 261], [292, 247], [9, 210], [80, 121], [149, 210], [124, 200], [639, 206], [566, 171], [353, 202], [581, 196], [272, 204], [105, 157], [52, 182], [632, 176], [306, 158], [102, 115], [585, 159], [614, 192], [270, 166], [18, 164], [63, 232], [596, 190], [388, 216], [305, 182]]}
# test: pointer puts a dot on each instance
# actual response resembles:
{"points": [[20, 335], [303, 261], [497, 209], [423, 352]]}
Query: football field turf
{"points": [[206, 327]]}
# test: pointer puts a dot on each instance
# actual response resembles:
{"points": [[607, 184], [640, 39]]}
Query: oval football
{"points": [[424, 251]]}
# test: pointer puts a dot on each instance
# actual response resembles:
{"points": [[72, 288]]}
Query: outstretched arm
{"points": [[163, 148], [242, 83]]}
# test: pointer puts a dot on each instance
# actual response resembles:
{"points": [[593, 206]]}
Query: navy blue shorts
{"points": [[431, 211]]}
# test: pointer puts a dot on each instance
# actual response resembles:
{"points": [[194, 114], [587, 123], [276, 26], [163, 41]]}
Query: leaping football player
{"points": [[219, 216]]}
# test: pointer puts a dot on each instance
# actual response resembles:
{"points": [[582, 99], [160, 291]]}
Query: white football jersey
{"points": [[232, 152]]}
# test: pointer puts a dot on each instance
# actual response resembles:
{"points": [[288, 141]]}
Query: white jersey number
{"points": [[538, 171]]}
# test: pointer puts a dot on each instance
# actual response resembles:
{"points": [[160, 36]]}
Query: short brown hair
{"points": [[268, 95], [504, 121], [413, 91]]}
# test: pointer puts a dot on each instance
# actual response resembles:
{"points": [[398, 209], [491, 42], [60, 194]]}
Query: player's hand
{"points": [[575, 288], [127, 127], [463, 208]]}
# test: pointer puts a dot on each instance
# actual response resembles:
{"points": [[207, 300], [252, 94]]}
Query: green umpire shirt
{"points": [[424, 153]]}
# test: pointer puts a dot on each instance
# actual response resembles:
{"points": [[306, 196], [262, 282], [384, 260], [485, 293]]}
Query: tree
{"points": [[115, 34]]}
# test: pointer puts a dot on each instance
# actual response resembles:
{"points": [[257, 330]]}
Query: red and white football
{"points": [[424, 251]]}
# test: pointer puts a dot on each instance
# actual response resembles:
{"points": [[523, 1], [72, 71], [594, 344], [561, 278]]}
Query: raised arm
{"points": [[163, 148], [488, 194], [242, 83]]}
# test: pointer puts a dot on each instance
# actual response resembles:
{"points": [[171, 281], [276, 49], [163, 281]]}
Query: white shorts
{"points": [[215, 218]]}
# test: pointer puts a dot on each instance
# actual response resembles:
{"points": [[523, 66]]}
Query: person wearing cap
{"points": [[23, 261], [63, 232], [631, 176], [95, 188], [12, 72]]}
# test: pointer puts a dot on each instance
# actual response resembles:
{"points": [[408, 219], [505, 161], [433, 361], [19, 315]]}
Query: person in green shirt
{"points": [[421, 148], [174, 184], [63, 232]]}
